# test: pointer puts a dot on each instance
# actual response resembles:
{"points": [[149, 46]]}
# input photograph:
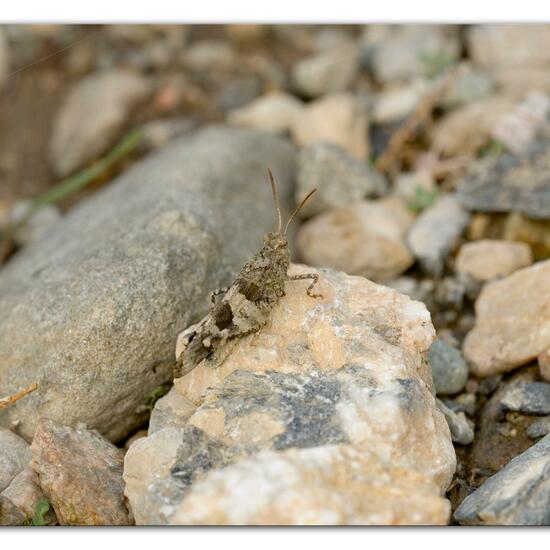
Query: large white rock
{"points": [[325, 416]]}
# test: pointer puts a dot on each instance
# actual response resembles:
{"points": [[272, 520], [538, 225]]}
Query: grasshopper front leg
{"points": [[313, 276], [215, 293]]}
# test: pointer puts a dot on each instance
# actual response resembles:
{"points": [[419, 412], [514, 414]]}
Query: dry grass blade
{"points": [[421, 115], [10, 400]]}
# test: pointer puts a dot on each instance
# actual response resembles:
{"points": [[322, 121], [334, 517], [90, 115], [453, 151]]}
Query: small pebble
{"points": [[449, 370]]}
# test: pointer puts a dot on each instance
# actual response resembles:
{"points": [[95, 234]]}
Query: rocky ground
{"points": [[133, 169]]}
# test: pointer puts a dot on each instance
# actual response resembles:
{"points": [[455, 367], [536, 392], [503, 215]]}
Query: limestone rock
{"points": [[489, 45], [329, 71], [277, 111], [512, 321], [19, 500], [325, 416], [93, 319], [517, 82], [436, 231], [336, 118], [510, 183], [14, 456], [92, 116], [488, 259], [366, 238], [80, 473], [339, 178], [517, 495]]}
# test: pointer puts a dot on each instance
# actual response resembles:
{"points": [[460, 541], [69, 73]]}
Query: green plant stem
{"points": [[79, 181]]}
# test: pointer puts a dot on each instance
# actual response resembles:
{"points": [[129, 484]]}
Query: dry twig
{"points": [[422, 114], [10, 400]]}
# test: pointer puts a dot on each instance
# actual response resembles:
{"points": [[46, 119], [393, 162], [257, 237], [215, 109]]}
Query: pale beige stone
{"points": [[366, 238], [336, 118], [512, 322], [92, 115], [509, 45], [277, 111], [544, 364], [333, 485], [466, 129], [488, 259]]}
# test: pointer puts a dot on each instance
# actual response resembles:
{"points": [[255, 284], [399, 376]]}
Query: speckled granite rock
{"points": [[80, 473], [332, 397], [93, 319], [92, 115], [512, 322], [510, 183], [517, 495]]}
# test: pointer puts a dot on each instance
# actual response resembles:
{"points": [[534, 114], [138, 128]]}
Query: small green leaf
{"points": [[42, 508], [435, 63], [155, 395], [423, 198]]}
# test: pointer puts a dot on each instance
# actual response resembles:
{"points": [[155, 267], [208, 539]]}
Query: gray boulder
{"points": [[91, 310]]}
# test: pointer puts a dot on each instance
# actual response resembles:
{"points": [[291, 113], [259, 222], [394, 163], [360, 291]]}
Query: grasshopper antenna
{"points": [[276, 199], [298, 209]]}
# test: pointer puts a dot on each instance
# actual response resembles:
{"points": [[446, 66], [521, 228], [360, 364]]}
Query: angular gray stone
{"points": [[339, 178], [15, 454], [510, 183], [539, 428], [91, 311], [449, 370], [531, 398], [519, 494], [436, 231]]}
